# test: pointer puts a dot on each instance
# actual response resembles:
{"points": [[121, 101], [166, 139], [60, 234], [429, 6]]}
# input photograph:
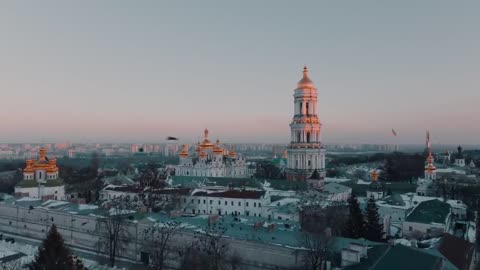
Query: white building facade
{"points": [[211, 160], [226, 202]]}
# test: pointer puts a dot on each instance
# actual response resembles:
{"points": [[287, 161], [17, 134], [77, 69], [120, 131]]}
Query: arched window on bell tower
{"points": [[301, 108], [308, 135], [307, 112], [298, 136]]}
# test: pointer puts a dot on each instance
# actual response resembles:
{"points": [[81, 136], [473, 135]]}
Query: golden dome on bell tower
{"points": [[305, 82]]}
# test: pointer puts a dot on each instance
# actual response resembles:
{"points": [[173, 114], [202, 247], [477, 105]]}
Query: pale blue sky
{"points": [[142, 70]]}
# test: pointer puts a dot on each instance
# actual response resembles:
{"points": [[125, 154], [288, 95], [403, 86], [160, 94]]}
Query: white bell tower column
{"points": [[305, 153]]}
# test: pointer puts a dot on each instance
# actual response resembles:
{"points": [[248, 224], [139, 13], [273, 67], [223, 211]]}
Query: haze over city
{"points": [[119, 71]]}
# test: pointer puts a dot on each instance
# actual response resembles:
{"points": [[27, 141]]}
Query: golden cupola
{"points": [[198, 149], [43, 163], [184, 152], [52, 166], [29, 166], [305, 82], [374, 175], [206, 142], [232, 152], [217, 149]]}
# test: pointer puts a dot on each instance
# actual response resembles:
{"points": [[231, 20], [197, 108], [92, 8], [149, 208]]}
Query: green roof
{"points": [[334, 188], [54, 183], [398, 257], [280, 184], [73, 208], [276, 161], [243, 228], [34, 183], [27, 183], [119, 179], [432, 211], [193, 181]]}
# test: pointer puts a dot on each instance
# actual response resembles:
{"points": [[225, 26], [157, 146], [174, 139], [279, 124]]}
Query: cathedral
{"points": [[40, 179], [211, 160], [306, 153]]}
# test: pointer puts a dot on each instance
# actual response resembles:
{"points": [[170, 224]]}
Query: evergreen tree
{"points": [[355, 223], [53, 254], [477, 231], [373, 226]]}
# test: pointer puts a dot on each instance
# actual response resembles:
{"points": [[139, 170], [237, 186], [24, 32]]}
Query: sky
{"points": [[138, 71]]}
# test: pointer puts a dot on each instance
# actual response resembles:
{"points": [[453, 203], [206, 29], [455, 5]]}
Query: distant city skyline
{"points": [[117, 71]]}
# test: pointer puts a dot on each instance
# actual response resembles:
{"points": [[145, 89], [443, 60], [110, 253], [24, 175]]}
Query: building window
{"points": [[246, 204], [219, 203], [259, 205], [192, 200], [239, 203], [410, 228], [232, 203], [254, 204], [211, 202], [226, 203], [204, 201], [198, 201]]}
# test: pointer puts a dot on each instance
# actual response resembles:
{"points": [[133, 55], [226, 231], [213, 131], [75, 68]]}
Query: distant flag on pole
{"points": [[428, 139], [393, 132]]}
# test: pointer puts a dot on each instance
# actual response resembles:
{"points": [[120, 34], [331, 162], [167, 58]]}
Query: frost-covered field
{"points": [[9, 249]]}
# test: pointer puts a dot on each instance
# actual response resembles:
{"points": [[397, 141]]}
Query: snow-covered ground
{"points": [[361, 182], [336, 180], [7, 249]]}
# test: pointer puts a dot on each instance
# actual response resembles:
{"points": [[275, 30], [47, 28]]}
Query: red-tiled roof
{"points": [[457, 251], [235, 194]]}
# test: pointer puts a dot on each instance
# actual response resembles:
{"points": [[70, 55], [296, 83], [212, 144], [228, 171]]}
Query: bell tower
{"points": [[305, 153]]}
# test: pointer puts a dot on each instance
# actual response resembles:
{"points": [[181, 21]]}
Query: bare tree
{"points": [[317, 250], [235, 261], [113, 229], [212, 245], [190, 258], [316, 216], [158, 242]]}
